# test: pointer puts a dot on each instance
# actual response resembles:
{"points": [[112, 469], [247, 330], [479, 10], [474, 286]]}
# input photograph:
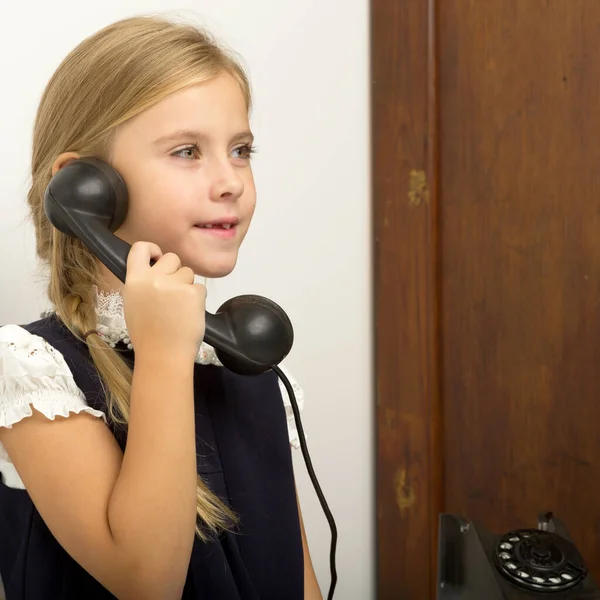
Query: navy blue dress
{"points": [[244, 456]]}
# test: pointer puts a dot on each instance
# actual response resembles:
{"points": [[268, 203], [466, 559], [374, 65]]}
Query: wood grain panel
{"points": [[405, 254], [519, 89]]}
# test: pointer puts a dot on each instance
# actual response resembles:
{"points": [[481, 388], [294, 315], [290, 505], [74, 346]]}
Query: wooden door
{"points": [[486, 171]]}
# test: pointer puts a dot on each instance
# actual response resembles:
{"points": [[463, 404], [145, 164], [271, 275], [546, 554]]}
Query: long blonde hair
{"points": [[109, 78]]}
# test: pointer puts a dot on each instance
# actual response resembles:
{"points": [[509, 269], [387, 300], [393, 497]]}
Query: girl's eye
{"points": [[189, 152], [192, 152], [244, 152]]}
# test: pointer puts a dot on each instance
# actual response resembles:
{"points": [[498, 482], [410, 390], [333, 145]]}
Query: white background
{"points": [[309, 246]]}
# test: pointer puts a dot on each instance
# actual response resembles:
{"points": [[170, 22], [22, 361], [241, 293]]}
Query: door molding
{"points": [[404, 119]]}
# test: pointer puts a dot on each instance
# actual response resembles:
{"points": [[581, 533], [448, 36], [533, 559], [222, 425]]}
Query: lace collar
{"points": [[111, 325]]}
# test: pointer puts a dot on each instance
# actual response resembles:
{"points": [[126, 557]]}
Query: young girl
{"points": [[133, 464]]}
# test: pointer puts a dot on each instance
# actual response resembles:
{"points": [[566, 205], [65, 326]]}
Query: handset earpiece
{"points": [[88, 199]]}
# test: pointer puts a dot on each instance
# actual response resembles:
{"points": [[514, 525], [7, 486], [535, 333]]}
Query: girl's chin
{"points": [[213, 269]]}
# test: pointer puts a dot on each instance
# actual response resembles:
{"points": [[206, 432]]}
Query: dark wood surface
{"points": [[519, 87], [404, 202], [486, 173]]}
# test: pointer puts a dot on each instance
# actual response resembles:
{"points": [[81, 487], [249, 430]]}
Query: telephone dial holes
{"points": [[538, 561]]}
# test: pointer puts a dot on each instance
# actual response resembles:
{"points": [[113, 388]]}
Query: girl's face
{"points": [[186, 165]]}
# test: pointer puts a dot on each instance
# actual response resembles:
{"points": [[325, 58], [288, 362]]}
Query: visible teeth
{"points": [[224, 226]]}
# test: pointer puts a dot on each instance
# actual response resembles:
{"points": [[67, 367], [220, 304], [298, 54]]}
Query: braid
{"points": [[73, 276]]}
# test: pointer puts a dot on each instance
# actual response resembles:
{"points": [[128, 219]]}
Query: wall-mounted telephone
{"points": [[88, 199], [251, 334], [474, 564]]}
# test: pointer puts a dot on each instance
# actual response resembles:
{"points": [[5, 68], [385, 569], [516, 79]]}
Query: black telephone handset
{"points": [[88, 199]]}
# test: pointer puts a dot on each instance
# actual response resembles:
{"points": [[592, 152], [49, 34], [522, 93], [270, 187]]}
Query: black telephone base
{"points": [[474, 564]]}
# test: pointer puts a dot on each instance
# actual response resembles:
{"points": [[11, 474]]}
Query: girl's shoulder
{"points": [[208, 356], [33, 375], [299, 395]]}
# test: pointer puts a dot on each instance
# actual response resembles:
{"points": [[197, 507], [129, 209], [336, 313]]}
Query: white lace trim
{"points": [[112, 326], [299, 394], [108, 304]]}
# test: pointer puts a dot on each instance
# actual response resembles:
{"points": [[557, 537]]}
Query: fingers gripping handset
{"points": [[88, 199], [164, 309]]}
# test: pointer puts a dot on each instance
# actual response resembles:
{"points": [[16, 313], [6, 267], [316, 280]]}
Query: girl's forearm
{"points": [[152, 511]]}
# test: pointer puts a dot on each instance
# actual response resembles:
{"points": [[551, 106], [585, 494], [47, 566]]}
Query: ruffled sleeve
{"points": [[33, 374], [299, 394]]}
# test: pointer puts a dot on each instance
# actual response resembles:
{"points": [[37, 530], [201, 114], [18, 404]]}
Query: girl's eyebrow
{"points": [[197, 135]]}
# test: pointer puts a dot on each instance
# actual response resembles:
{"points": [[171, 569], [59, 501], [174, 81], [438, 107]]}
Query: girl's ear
{"points": [[63, 160]]}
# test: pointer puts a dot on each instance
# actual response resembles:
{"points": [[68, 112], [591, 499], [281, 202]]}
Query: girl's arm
{"points": [[129, 520]]}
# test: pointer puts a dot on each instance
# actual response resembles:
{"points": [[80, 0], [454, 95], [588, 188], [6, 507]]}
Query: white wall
{"points": [[308, 61]]}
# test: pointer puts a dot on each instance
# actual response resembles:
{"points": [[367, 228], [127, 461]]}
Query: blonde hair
{"points": [[109, 78]]}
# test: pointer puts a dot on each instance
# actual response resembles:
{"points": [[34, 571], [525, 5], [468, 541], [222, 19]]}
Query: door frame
{"points": [[406, 262]]}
